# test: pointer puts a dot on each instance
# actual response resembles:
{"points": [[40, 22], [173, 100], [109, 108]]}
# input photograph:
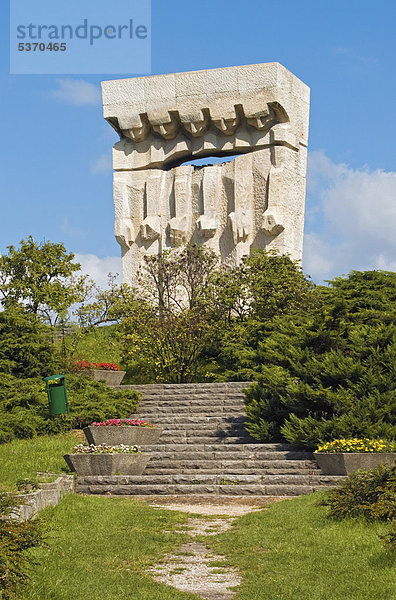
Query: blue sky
{"points": [[56, 148]]}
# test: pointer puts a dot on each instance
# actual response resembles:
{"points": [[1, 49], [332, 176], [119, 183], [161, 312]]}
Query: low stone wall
{"points": [[48, 494]]}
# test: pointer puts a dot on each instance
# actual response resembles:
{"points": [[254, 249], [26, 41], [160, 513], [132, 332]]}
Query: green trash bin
{"points": [[57, 395]]}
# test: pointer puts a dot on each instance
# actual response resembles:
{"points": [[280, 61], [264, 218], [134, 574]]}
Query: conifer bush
{"points": [[329, 373]]}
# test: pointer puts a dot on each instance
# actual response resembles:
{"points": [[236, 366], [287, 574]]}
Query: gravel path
{"points": [[194, 568], [191, 569]]}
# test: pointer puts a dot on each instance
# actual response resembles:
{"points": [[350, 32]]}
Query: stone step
{"points": [[182, 388], [201, 425], [198, 398], [173, 407], [230, 470], [190, 410], [204, 431], [169, 422], [224, 464], [199, 490], [217, 485], [207, 440], [218, 479], [220, 450]]}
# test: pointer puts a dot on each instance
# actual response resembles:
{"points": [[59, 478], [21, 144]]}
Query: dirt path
{"points": [[194, 567]]}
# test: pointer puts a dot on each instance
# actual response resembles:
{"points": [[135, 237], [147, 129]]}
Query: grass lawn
{"points": [[21, 459], [97, 549], [293, 552]]}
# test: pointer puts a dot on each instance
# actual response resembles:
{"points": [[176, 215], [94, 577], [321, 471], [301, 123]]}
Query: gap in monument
{"points": [[203, 161], [210, 160]]}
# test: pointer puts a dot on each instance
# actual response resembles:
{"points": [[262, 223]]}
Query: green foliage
{"points": [[15, 538], [166, 328], [370, 494], [92, 400], [272, 285], [195, 320], [389, 538], [93, 344], [168, 346], [24, 406], [26, 348], [329, 372], [264, 287], [104, 306], [40, 279]]}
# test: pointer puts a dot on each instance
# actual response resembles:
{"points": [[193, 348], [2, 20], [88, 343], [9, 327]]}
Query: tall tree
{"points": [[40, 278]]}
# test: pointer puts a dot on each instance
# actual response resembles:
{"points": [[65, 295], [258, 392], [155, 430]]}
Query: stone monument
{"points": [[257, 112]]}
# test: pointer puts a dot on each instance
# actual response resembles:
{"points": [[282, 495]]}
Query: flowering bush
{"points": [[357, 445], [122, 423], [104, 449], [83, 364]]}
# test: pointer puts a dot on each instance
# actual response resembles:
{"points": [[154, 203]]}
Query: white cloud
{"points": [[99, 268], [77, 92], [351, 218], [102, 164]]}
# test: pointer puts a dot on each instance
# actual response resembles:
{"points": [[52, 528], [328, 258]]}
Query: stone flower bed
{"points": [[108, 372], [122, 431], [107, 460], [345, 456]]}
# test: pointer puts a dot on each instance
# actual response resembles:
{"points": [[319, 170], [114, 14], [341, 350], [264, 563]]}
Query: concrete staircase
{"points": [[205, 450]]}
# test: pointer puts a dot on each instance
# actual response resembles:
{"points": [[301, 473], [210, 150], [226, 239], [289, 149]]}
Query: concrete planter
{"points": [[107, 464], [124, 434], [109, 377], [345, 463]]}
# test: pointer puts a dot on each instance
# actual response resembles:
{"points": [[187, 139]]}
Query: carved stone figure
{"points": [[257, 112]]}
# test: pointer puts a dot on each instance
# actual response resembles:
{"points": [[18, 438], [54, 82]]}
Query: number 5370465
{"points": [[41, 47]]}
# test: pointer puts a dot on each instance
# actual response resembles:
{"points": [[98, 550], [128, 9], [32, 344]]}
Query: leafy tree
{"points": [[265, 286], [178, 279], [172, 316], [330, 372], [194, 318], [167, 346], [104, 306], [40, 278]]}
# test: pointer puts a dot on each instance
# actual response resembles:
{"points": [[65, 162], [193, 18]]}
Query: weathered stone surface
{"points": [[112, 378], [345, 463], [258, 112], [129, 436], [48, 494], [107, 464]]}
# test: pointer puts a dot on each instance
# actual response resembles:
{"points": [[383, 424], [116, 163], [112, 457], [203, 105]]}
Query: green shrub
{"points": [[389, 538], [26, 346], [371, 494], [328, 373], [92, 400], [15, 538], [24, 406]]}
